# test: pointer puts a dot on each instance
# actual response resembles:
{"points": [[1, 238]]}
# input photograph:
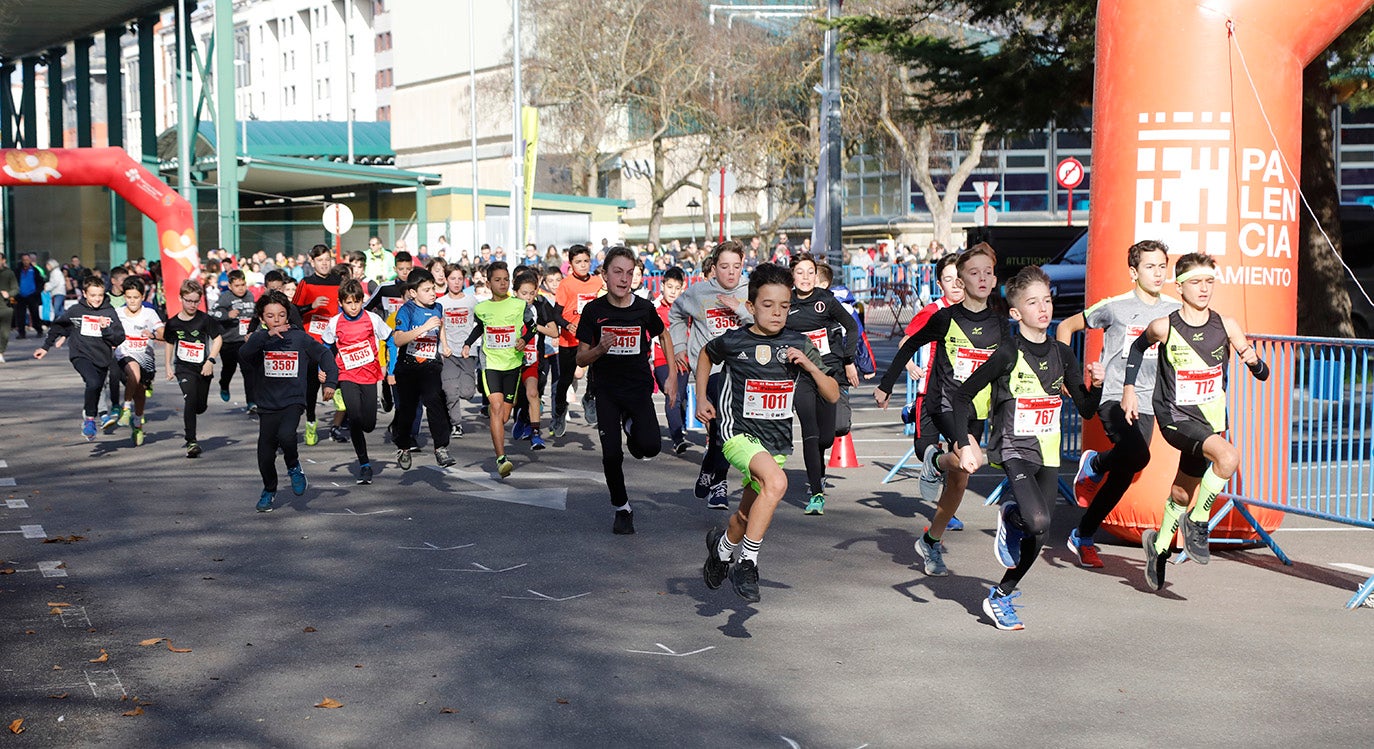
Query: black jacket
{"points": [[275, 393], [92, 334]]}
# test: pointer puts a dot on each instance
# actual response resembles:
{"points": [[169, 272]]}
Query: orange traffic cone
{"points": [[842, 453]]}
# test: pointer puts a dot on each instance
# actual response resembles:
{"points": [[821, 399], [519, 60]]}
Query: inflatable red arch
{"points": [[113, 168], [1196, 110]]}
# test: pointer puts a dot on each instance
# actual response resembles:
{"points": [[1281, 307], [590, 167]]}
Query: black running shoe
{"points": [[1155, 562], [714, 572], [192, 450], [624, 523], [365, 473], [703, 487], [403, 459], [744, 575], [1195, 540], [681, 447]]}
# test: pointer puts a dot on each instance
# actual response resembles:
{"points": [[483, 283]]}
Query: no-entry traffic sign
{"points": [[1069, 173]]}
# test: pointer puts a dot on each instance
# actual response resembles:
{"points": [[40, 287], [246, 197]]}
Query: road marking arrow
{"points": [[484, 568], [355, 514], [542, 597], [431, 547], [665, 650]]}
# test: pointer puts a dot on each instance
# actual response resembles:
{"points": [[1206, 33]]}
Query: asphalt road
{"points": [[450, 609]]}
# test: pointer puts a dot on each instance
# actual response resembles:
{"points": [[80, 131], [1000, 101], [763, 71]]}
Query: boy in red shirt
{"points": [[317, 298]]}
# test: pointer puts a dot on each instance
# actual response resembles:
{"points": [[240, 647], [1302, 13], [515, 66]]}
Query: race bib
{"points": [[768, 399], [967, 360], [1037, 415], [1194, 387], [499, 337], [135, 344], [624, 341], [424, 349], [531, 353], [820, 339], [356, 355], [721, 320], [582, 300], [457, 316], [318, 326], [191, 353], [1133, 332], [90, 325], [243, 325], [281, 364]]}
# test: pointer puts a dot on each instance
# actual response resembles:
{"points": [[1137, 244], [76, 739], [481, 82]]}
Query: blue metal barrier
{"points": [[1325, 421]]}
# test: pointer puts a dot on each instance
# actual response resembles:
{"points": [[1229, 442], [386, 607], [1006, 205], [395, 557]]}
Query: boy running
{"points": [[193, 342], [234, 311], [92, 327], [1190, 404], [1103, 478], [574, 292], [674, 404], [705, 311], [613, 339], [968, 333], [137, 365], [354, 334], [761, 365], [317, 299], [460, 373], [1028, 375], [420, 341], [288, 357], [926, 438], [501, 326], [535, 374]]}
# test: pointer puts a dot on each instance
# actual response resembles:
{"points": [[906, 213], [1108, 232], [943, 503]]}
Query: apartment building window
{"points": [[322, 89], [378, 7], [322, 52], [383, 42], [384, 78], [384, 114], [243, 75]]}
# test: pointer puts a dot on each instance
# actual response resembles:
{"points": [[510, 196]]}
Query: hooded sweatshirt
{"points": [[698, 316], [91, 333]]}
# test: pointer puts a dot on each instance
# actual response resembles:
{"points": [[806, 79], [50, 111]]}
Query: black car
{"points": [[1068, 272]]}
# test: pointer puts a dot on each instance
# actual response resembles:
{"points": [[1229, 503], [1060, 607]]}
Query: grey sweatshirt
{"points": [[698, 316]]}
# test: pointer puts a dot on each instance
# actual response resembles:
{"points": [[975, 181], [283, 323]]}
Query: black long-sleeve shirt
{"points": [[283, 363], [91, 333]]}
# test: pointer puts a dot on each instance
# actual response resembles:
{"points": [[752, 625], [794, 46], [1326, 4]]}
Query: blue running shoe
{"points": [[537, 442], [1002, 611], [224, 394], [265, 503], [88, 430], [1086, 481], [521, 430], [1008, 542], [955, 524], [298, 480], [909, 413]]}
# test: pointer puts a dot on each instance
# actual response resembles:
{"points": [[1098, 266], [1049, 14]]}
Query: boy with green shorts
{"points": [[761, 366]]}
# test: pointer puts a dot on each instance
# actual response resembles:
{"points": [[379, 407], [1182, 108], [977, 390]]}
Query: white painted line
{"points": [[33, 531], [356, 514], [665, 650], [431, 547], [1325, 530], [333, 483], [52, 568], [542, 597], [308, 460], [77, 615], [885, 439], [7, 482], [16, 504], [4, 464], [484, 568], [108, 676], [1354, 568]]}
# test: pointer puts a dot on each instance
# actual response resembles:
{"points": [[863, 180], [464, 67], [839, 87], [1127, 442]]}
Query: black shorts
{"points": [[1115, 425], [945, 423], [503, 381], [1187, 437]]}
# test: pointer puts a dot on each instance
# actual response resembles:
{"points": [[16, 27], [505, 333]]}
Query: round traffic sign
{"points": [[1069, 173], [338, 219], [713, 183], [984, 215]]}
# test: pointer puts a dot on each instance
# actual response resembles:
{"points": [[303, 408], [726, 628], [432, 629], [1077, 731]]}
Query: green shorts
{"points": [[740, 450]]}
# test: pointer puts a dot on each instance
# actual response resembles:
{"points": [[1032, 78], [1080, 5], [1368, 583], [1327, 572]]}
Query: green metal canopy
{"points": [[301, 139]]}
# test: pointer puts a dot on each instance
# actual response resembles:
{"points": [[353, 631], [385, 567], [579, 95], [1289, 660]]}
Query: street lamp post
{"points": [[693, 205]]}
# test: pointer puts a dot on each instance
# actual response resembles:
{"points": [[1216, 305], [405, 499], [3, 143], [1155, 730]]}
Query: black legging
{"points": [[26, 308], [195, 387], [817, 417], [93, 376], [312, 391], [277, 430], [714, 462], [1033, 488], [676, 414], [360, 402], [416, 385], [612, 407], [1129, 455], [229, 355]]}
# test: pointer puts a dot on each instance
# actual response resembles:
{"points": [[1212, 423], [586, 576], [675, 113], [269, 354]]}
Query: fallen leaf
{"points": [[329, 702], [150, 641], [177, 650], [59, 605], [57, 668], [309, 629], [64, 539], [448, 710], [7, 571], [132, 713], [104, 656], [561, 701], [54, 611], [30, 632], [62, 696], [17, 725]]}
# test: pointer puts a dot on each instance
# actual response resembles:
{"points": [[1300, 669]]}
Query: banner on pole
{"points": [[529, 119]]}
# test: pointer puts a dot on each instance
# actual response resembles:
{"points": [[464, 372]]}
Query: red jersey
{"points": [[662, 309], [918, 322], [573, 294], [316, 320], [355, 346]]}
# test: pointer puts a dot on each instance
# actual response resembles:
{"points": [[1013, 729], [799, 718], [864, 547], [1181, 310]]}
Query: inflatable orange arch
{"points": [[1196, 117], [113, 168]]}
